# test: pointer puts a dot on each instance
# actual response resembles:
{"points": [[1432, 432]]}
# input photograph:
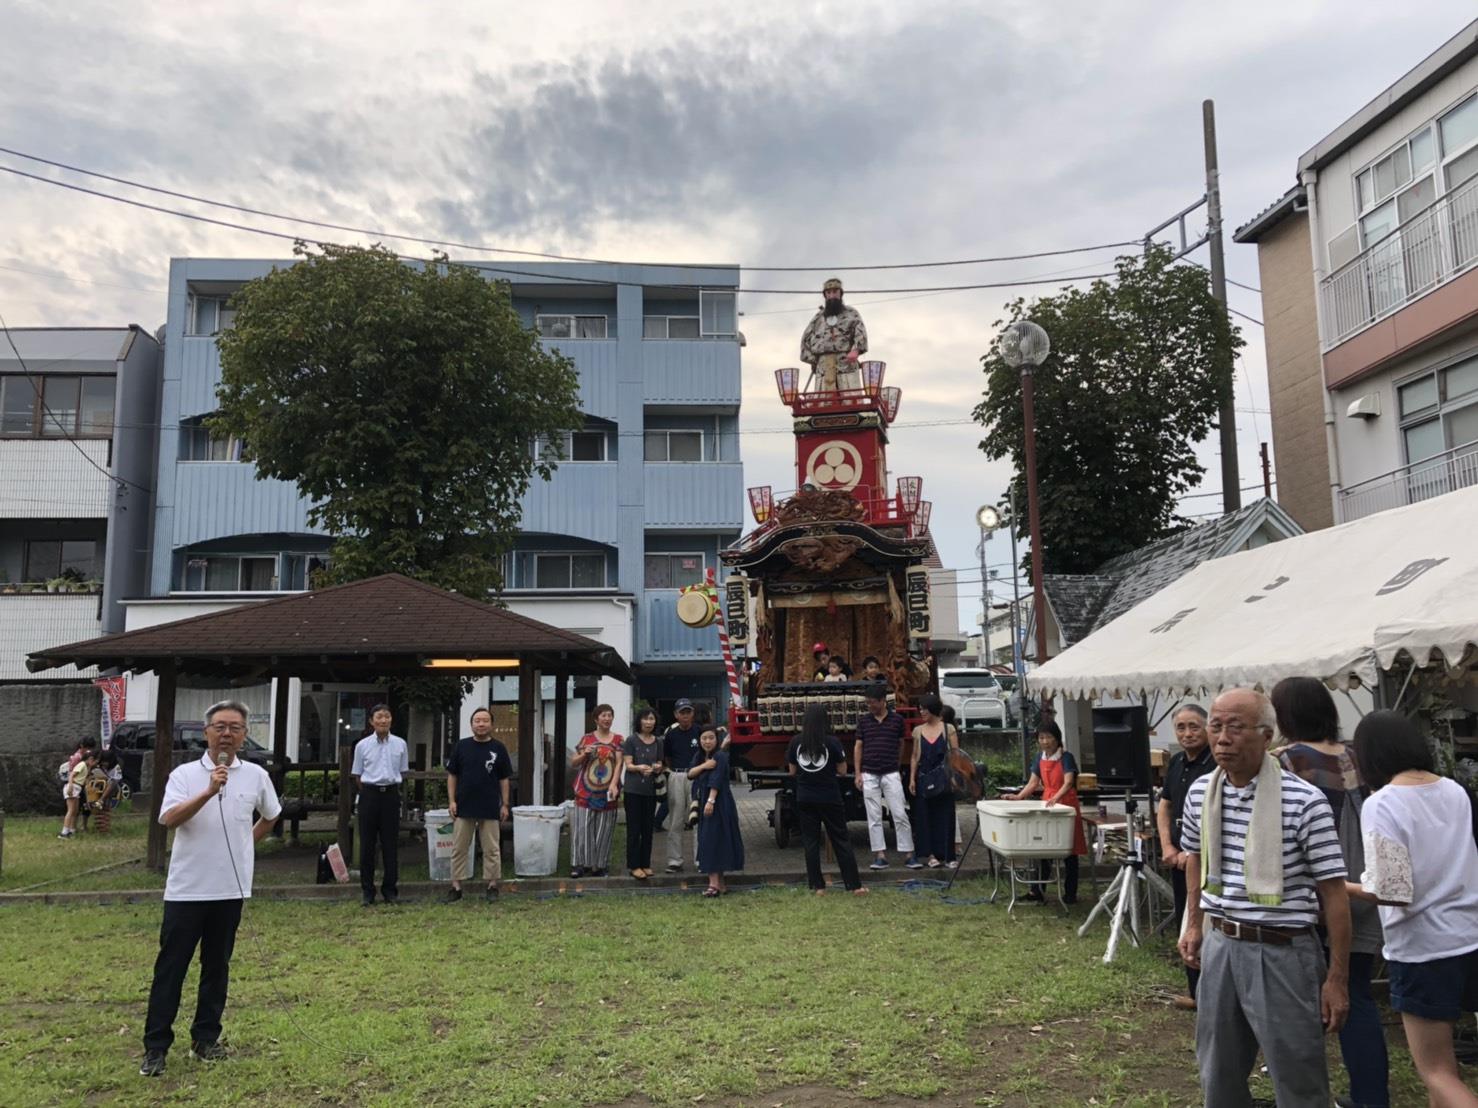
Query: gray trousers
{"points": [[680, 844], [1255, 995], [590, 837]]}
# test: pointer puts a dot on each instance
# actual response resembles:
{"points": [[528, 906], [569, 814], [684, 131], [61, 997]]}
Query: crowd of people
{"points": [[1296, 859], [92, 786]]}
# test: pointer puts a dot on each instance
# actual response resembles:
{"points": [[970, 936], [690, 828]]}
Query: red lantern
{"points": [[909, 490], [891, 395], [761, 503], [788, 382]]}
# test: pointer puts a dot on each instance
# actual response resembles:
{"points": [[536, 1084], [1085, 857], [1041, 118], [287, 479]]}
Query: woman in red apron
{"points": [[1055, 772]]}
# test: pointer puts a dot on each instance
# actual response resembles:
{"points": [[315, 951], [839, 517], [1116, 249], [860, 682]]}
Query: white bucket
{"points": [[536, 839], [439, 843]]}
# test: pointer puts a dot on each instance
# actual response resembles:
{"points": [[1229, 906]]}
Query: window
{"points": [[581, 446], [717, 311], [673, 571], [1439, 411], [67, 406], [569, 571], [571, 326], [669, 327], [1459, 127], [298, 570], [674, 446], [199, 444], [231, 573], [209, 315], [49, 558]]}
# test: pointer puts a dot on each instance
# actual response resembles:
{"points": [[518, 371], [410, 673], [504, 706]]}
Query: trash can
{"points": [[439, 843], [536, 839]]}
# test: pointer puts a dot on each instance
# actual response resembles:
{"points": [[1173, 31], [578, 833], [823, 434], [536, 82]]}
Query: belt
{"points": [[1257, 932], [381, 788]]}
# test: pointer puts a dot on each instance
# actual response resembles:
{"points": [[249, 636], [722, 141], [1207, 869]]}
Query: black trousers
{"points": [[639, 824], [813, 818], [379, 829], [1177, 885], [1069, 876], [210, 925]]}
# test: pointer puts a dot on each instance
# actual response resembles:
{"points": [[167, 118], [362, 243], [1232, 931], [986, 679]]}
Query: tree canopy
{"points": [[1135, 379], [403, 400]]}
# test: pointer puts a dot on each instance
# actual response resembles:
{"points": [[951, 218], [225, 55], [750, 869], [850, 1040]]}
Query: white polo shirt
{"points": [[201, 865]]}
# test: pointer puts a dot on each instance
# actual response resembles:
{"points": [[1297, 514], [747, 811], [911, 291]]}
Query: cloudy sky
{"points": [[763, 133]]}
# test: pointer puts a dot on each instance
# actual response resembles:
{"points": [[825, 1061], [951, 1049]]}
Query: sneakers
{"points": [[202, 1052], [674, 867], [153, 1064], [453, 895], [878, 863], [67, 833], [913, 863], [577, 871], [1185, 1003], [490, 894]]}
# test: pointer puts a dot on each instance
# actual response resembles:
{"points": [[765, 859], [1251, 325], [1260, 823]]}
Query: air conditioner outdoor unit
{"points": [[1365, 407]]}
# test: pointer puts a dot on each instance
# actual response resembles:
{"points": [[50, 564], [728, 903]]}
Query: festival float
{"points": [[839, 563]]}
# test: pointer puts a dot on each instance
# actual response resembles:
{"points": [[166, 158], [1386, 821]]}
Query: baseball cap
{"points": [[683, 702]]}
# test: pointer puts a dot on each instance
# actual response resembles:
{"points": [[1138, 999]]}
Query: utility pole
{"points": [[984, 607], [1231, 481]]}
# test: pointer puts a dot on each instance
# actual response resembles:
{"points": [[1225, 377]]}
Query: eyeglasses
{"points": [[227, 728]]}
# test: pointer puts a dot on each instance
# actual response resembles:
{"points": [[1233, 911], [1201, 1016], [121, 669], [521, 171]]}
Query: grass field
{"points": [[765, 997]]}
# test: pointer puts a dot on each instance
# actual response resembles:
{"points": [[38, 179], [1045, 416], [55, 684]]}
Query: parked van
{"points": [[976, 696]]}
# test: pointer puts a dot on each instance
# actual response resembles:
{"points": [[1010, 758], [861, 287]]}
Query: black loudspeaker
{"points": [[1121, 747]]}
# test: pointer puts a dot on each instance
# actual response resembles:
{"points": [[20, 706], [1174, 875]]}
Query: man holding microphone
{"points": [[209, 804]]}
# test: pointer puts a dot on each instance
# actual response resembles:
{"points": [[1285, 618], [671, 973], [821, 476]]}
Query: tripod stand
{"points": [[1122, 897]]}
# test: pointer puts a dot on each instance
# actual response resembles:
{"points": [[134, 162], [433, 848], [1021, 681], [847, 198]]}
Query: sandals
{"points": [[711, 892], [641, 874], [934, 863]]}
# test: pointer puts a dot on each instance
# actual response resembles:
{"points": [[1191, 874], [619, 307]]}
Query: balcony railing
{"points": [[1447, 472], [1424, 252]]}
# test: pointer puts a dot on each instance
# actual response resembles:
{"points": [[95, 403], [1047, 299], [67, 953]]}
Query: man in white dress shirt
{"points": [[380, 761], [208, 803]]}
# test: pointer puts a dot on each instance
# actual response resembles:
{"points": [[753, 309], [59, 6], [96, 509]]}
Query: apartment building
{"points": [[651, 488], [1369, 276], [77, 414]]}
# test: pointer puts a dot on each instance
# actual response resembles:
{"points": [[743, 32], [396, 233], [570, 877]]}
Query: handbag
{"points": [[935, 782]]}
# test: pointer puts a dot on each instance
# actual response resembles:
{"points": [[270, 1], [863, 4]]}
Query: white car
{"points": [[976, 696]]}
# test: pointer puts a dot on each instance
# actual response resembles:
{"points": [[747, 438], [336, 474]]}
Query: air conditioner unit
{"points": [[1365, 407]]}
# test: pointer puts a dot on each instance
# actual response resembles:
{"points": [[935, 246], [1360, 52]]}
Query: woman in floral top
{"points": [[597, 765]]}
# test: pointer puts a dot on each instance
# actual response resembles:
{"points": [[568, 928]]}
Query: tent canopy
{"points": [[1338, 604]]}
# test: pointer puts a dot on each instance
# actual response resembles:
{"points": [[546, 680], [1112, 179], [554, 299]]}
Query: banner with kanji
{"points": [[115, 703]]}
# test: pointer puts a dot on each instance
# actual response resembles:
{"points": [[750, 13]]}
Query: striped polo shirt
{"points": [[1311, 851]]}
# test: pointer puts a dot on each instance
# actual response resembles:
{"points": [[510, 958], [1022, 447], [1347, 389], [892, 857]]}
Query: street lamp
{"points": [[988, 519], [1024, 346]]}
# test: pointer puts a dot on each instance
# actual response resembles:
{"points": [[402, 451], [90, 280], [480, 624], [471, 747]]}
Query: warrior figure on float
{"points": [[833, 341]]}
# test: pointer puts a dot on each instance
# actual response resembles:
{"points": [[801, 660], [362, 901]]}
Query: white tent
{"points": [[1336, 604]]}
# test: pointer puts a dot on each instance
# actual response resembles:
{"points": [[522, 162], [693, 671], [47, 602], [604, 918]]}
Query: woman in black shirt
{"points": [[815, 757]]}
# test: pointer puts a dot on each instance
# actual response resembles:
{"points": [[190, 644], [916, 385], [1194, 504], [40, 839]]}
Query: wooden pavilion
{"points": [[373, 630]]}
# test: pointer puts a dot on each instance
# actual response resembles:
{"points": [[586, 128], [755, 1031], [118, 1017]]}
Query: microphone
{"points": [[223, 758]]}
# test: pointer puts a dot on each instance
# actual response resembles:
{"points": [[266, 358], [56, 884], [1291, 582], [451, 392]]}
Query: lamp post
{"points": [[1024, 346], [988, 519]]}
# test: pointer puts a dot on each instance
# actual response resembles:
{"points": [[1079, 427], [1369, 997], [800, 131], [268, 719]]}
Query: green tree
{"points": [[1135, 379], [402, 400]]}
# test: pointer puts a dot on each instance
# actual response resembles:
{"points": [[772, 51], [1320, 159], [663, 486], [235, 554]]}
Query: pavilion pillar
{"points": [[559, 756], [280, 688], [530, 729], [163, 760]]}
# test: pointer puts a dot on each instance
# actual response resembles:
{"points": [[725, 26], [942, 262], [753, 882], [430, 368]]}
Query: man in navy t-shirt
{"points": [[679, 745], [875, 762], [477, 787]]}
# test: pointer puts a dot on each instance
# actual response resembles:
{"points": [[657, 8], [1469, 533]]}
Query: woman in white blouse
{"points": [[1421, 868]]}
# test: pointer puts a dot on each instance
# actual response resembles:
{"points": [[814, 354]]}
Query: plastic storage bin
{"points": [[536, 839], [439, 842], [1026, 828]]}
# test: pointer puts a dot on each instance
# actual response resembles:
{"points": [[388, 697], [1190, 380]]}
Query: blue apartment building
{"points": [[651, 488]]}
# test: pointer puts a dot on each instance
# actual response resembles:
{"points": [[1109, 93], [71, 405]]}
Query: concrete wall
{"points": [[39, 726], [1295, 384]]}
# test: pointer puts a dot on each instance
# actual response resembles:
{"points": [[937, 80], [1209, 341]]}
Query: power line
{"points": [[378, 233], [1244, 315]]}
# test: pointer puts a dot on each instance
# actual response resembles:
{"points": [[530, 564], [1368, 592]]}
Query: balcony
{"points": [[668, 639], [684, 496], [580, 500], [703, 372], [55, 478], [214, 500], [37, 620], [1423, 254], [595, 361], [1411, 484]]}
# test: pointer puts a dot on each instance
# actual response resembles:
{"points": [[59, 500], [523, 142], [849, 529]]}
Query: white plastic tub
{"points": [[439, 842], [536, 839], [1026, 828]]}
